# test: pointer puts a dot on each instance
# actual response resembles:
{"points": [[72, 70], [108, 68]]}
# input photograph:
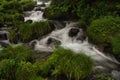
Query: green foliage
{"points": [[12, 35], [102, 30], [25, 31], [34, 30], [41, 28], [7, 69], [56, 12], [11, 11], [12, 5], [25, 71], [116, 46], [66, 62], [17, 53], [64, 10], [73, 65], [11, 69], [88, 10], [27, 4]]}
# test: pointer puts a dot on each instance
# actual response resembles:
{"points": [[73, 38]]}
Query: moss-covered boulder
{"points": [[102, 30]]}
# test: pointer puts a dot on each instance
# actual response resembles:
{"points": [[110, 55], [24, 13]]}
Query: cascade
{"points": [[77, 42]]}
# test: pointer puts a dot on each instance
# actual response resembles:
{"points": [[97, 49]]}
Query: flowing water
{"points": [[36, 15], [75, 43], [72, 43]]}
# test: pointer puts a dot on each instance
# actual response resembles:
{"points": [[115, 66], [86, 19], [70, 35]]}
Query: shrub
{"points": [[102, 30], [65, 10], [13, 5], [56, 12], [11, 69], [116, 46], [7, 69], [18, 53], [88, 10], [27, 4]]}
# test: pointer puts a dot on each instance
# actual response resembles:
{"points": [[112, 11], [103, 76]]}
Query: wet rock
{"points": [[116, 75], [82, 38], [49, 41], [73, 32], [29, 21], [52, 41], [33, 43]]}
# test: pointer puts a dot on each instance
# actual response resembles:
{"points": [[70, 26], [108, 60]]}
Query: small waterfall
{"points": [[36, 15], [76, 44]]}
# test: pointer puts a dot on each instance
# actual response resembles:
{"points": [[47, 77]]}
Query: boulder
{"points": [[73, 32], [52, 40]]}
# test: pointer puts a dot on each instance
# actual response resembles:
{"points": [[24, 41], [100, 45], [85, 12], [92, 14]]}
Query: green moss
{"points": [[102, 30]]}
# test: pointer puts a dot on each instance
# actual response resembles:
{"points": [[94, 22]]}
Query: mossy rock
{"points": [[102, 30]]}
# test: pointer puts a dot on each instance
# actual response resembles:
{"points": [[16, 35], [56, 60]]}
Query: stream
{"points": [[77, 42]]}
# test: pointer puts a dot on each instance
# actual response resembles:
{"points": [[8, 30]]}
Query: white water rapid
{"points": [[37, 15], [73, 44]]}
